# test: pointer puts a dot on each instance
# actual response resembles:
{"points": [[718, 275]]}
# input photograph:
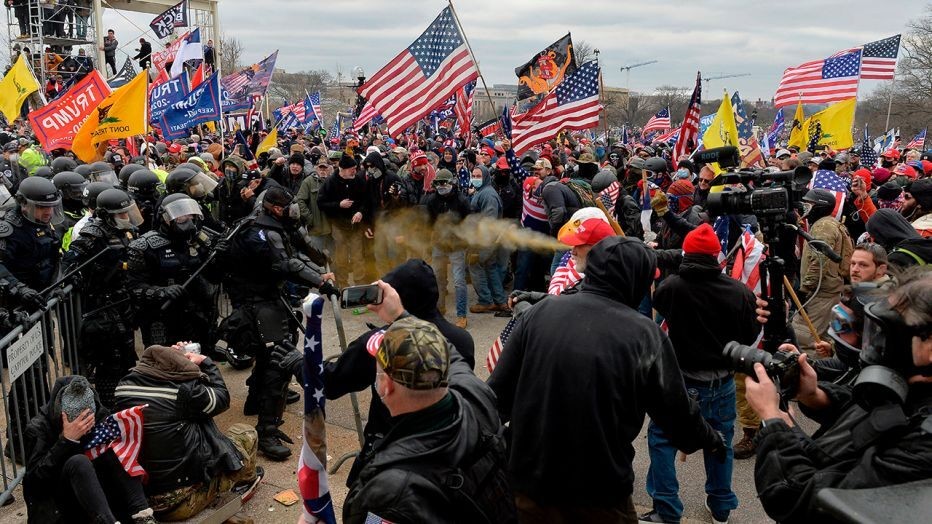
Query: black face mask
{"points": [[886, 164], [184, 230], [501, 180]]}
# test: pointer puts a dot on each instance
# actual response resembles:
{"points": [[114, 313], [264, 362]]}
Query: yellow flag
{"points": [[120, 115], [835, 124], [798, 136], [723, 131], [15, 88], [270, 141]]}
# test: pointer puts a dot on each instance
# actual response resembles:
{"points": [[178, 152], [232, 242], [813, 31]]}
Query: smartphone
{"points": [[356, 296]]}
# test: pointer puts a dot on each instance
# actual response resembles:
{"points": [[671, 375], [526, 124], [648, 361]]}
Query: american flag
{"points": [[609, 196], [422, 76], [879, 61], [365, 116], [918, 141], [121, 432], [313, 102], [689, 131], [748, 261], [828, 180], [496, 350], [670, 136], [372, 518], [312, 474], [574, 104], [773, 135], [123, 76], [821, 81], [463, 108], [868, 156], [375, 339], [753, 156], [236, 81], [660, 121]]}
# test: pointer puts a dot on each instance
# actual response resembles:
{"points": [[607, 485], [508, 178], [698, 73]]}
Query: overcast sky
{"points": [[761, 38]]}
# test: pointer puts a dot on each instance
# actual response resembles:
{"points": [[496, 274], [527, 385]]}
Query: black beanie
{"points": [[296, 158], [889, 191], [347, 161], [828, 164], [921, 190]]}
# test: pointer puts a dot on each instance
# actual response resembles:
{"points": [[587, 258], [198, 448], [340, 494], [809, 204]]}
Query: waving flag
{"points": [[243, 87], [773, 135], [751, 154], [312, 108], [868, 156], [747, 263], [312, 470], [121, 115], [505, 119], [190, 50], [658, 122], [879, 60], [200, 105], [821, 81], [689, 131], [918, 141], [463, 108], [573, 105], [365, 116], [828, 180], [121, 432], [15, 88], [161, 58], [55, 124], [422, 76], [175, 16], [123, 76], [539, 75]]}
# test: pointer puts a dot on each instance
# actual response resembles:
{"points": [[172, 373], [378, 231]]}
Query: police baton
{"points": [[71, 273]]}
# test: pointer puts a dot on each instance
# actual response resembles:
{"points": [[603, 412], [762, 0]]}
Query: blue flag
{"points": [[201, 105], [247, 152], [506, 122], [165, 95]]}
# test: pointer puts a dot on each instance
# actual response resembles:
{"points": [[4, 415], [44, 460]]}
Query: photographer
{"points": [[871, 433]]}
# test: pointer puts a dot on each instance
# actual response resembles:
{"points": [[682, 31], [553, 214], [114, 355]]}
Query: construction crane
{"points": [[627, 69], [719, 77]]}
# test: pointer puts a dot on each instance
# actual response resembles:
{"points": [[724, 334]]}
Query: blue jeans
{"points": [[457, 261], [487, 278], [717, 405]]}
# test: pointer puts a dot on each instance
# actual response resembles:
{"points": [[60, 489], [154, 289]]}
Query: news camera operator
{"points": [[873, 433]]}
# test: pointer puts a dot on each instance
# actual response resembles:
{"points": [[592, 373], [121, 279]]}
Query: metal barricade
{"points": [[37, 353]]}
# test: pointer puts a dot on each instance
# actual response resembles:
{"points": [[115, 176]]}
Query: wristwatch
{"points": [[770, 421]]}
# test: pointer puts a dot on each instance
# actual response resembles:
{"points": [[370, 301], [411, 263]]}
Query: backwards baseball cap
{"points": [[414, 354], [782, 153], [586, 226], [543, 163]]}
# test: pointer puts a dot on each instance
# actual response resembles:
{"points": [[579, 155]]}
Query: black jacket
{"points": [[560, 201], [46, 452], [181, 444], [578, 374], [390, 482], [686, 300], [382, 192], [791, 467], [335, 190], [455, 203], [892, 231]]}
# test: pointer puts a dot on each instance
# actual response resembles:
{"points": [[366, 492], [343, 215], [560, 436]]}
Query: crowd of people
{"points": [[636, 302]]}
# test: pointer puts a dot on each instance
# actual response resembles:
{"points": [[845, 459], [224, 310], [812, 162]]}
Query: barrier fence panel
{"points": [[36, 353]]}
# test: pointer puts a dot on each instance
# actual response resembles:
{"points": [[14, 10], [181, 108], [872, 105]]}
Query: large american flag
{"points": [[365, 116], [689, 131], [821, 81], [121, 432], [918, 141], [879, 60], [463, 108], [422, 76], [660, 121], [825, 179], [574, 104]]}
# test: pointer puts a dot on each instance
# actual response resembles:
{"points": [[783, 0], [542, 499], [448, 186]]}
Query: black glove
{"points": [[531, 297], [288, 359], [328, 289], [222, 246], [173, 292], [718, 449], [31, 299]]}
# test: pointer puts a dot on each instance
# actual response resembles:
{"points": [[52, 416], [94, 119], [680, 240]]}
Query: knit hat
{"points": [[685, 190], [864, 175], [926, 166], [296, 158], [586, 227], [414, 354], [889, 191], [881, 175], [76, 397], [418, 158], [702, 241], [921, 190], [347, 162]]}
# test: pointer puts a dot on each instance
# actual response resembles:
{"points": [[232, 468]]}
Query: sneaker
{"points": [[715, 520], [461, 322], [650, 516], [482, 308]]}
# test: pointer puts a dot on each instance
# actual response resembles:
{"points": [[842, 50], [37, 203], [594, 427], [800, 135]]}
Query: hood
{"points": [[699, 267], [889, 228], [416, 284], [376, 160], [620, 268], [237, 162], [486, 175]]}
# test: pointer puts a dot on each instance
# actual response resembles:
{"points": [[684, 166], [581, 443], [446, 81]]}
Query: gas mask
{"points": [[186, 229], [886, 354], [374, 172]]}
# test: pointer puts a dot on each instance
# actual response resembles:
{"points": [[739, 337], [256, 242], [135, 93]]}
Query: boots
{"points": [[292, 396], [746, 448], [270, 443]]}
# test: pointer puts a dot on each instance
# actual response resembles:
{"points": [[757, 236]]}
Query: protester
{"points": [[144, 54], [343, 199], [109, 48], [485, 263]]}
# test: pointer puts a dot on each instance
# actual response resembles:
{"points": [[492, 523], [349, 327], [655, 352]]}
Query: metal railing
{"points": [[37, 353]]}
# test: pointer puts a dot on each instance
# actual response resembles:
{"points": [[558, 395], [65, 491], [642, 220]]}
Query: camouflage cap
{"points": [[414, 354]]}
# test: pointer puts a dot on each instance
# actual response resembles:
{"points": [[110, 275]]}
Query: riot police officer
{"points": [[126, 171], [71, 186], [191, 180], [103, 172], [144, 186], [63, 163], [107, 342], [160, 262], [90, 203], [266, 254]]}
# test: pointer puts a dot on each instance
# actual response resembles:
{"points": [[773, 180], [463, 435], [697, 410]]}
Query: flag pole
{"points": [[601, 102], [890, 102], [456, 18]]}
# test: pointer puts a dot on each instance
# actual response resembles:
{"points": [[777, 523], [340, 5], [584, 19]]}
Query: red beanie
{"points": [[702, 241], [864, 175]]}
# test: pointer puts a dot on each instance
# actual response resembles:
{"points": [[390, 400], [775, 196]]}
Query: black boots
{"points": [[270, 443]]}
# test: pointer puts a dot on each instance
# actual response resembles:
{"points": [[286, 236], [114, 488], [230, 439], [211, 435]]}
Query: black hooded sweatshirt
{"points": [[577, 376], [416, 284], [891, 230], [377, 188]]}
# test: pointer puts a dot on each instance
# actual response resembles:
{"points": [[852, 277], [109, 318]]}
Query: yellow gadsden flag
{"points": [[835, 124], [270, 141], [723, 131], [120, 115], [15, 88], [798, 135]]}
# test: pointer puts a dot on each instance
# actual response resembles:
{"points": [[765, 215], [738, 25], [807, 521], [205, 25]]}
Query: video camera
{"points": [[782, 366]]}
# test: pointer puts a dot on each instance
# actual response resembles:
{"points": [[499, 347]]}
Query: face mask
{"points": [[476, 182], [185, 229], [682, 174], [123, 223], [374, 172], [231, 173], [444, 190]]}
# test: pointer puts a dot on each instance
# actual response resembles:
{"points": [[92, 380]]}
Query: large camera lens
{"points": [[744, 357]]}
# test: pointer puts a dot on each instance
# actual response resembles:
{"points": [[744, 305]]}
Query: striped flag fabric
{"points": [[753, 156], [423, 75], [658, 122], [365, 116], [463, 108], [868, 155], [689, 131], [670, 136], [879, 59], [495, 352], [490, 127], [609, 196], [821, 81], [918, 141], [573, 105], [123, 76], [748, 260], [121, 432], [313, 102], [312, 471], [825, 179]]}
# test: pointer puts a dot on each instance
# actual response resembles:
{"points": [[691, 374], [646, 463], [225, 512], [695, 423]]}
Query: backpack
{"points": [[583, 192], [919, 260]]}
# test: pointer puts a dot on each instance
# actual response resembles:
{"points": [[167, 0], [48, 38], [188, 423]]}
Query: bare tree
{"points": [[584, 52], [292, 87], [231, 53]]}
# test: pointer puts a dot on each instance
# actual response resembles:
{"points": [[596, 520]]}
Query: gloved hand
{"points": [[222, 246], [288, 359], [718, 449], [531, 297], [328, 289], [660, 203], [173, 292], [31, 299]]}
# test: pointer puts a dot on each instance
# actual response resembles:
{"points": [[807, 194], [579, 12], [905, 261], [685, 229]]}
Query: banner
{"points": [[163, 57], [241, 88], [539, 75], [162, 96], [15, 88], [123, 76], [120, 115], [835, 124], [175, 16], [200, 105], [56, 124]]}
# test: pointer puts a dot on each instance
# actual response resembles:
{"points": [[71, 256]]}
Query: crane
{"points": [[719, 77], [627, 69]]}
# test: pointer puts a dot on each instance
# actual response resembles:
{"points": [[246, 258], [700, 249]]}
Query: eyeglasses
{"points": [[439, 183], [706, 181]]}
